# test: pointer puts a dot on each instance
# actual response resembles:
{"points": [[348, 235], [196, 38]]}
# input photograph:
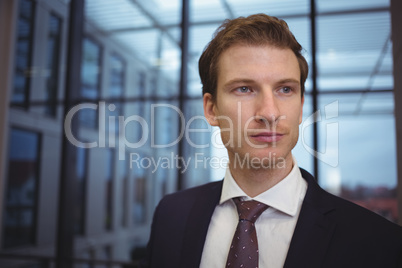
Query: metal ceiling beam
{"points": [[374, 73], [352, 73], [218, 22], [154, 21], [228, 9], [352, 91], [354, 11]]}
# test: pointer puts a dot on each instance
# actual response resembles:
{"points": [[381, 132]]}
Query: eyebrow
{"points": [[288, 80], [247, 81], [238, 81]]}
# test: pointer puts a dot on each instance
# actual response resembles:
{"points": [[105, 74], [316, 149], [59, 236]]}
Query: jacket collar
{"points": [[197, 225], [314, 225]]}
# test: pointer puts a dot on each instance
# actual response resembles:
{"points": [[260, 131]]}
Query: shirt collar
{"points": [[284, 196]]}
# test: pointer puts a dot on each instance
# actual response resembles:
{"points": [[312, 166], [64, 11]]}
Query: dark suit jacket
{"points": [[330, 231]]}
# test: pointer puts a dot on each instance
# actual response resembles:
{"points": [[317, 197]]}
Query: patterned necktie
{"points": [[244, 248]]}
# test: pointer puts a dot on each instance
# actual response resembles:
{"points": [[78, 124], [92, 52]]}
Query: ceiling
{"points": [[354, 51]]}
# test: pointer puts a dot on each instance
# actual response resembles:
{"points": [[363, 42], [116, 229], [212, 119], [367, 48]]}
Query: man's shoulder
{"points": [[360, 222], [349, 215], [185, 198], [178, 219], [194, 191], [354, 211]]}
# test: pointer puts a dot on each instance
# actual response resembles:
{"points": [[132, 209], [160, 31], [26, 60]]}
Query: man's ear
{"points": [[210, 110]]}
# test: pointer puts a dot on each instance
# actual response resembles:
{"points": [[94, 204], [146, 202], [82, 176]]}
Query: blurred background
{"points": [[101, 116]]}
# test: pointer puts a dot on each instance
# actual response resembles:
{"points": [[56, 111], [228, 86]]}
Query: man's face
{"points": [[258, 105]]}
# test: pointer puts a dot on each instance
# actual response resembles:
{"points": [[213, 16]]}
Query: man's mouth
{"points": [[267, 137]]}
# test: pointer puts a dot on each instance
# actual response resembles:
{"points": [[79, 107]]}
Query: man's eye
{"points": [[286, 89], [243, 89]]}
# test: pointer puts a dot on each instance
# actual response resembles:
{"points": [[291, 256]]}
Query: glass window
{"points": [[107, 253], [357, 157], [80, 198], [353, 55], [23, 54], [124, 201], [124, 176], [303, 149], [53, 58], [116, 89], [355, 82], [139, 207], [354, 51], [110, 164], [22, 188], [142, 76], [90, 80], [117, 73], [164, 115]]}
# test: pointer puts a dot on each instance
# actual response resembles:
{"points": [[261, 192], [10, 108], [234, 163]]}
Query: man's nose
{"points": [[267, 109]]}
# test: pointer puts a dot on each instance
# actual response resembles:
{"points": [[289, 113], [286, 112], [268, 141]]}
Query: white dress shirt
{"points": [[274, 227]]}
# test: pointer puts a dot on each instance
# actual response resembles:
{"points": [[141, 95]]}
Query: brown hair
{"points": [[258, 29]]}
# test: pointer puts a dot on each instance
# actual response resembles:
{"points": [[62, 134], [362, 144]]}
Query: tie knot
{"points": [[249, 210]]}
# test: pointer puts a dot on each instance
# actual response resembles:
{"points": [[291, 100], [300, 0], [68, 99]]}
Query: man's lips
{"points": [[267, 136]]}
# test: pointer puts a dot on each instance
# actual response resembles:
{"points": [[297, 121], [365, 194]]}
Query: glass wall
{"points": [[90, 80], [355, 83], [53, 64], [135, 141], [22, 189], [81, 189], [23, 53]]}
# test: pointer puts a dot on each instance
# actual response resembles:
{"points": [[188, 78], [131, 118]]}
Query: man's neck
{"points": [[256, 180]]}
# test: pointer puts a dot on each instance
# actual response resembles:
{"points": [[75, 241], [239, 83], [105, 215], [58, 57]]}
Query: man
{"points": [[253, 78]]}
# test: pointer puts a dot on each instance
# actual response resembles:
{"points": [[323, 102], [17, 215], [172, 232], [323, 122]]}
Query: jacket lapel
{"points": [[314, 228], [197, 225]]}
